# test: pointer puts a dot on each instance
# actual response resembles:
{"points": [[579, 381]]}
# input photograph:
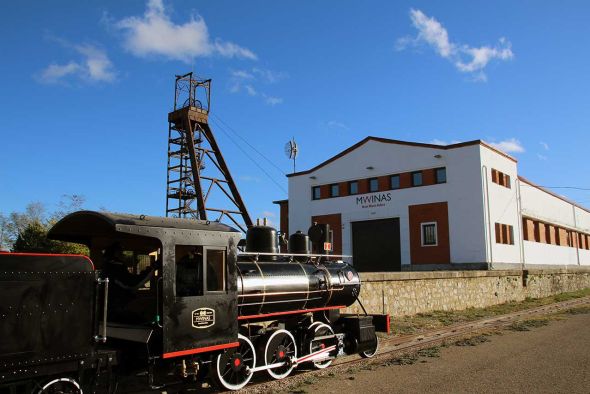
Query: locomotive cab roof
{"points": [[86, 226]]}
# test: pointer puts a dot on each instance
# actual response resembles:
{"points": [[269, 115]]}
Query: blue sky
{"points": [[86, 87]]}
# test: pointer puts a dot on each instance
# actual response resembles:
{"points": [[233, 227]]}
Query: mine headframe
{"points": [[199, 183]]}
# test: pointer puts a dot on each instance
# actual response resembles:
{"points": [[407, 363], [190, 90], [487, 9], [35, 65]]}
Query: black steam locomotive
{"points": [[178, 299]]}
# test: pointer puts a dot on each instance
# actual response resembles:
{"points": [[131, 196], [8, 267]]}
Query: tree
{"points": [[34, 239], [5, 233], [27, 231]]}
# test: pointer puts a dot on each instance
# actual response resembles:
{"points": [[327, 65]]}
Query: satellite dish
{"points": [[291, 150]]}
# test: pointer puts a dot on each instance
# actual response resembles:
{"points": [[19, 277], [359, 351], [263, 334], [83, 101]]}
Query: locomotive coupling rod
{"points": [[317, 356], [103, 336], [320, 355], [265, 367]]}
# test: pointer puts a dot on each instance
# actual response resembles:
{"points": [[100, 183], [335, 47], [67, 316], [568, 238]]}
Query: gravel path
{"points": [[550, 359]]}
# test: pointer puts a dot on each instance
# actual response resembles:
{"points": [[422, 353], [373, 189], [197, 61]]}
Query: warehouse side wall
{"points": [[409, 293]]}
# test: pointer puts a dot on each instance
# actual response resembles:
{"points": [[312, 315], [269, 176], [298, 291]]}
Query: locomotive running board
{"points": [[320, 355]]}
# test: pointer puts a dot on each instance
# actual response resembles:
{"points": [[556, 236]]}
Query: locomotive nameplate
{"points": [[203, 318]]}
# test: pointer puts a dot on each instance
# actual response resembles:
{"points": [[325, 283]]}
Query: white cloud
{"points": [[242, 74], [478, 58], [268, 214], [333, 124], [249, 81], [94, 66], [271, 100], [250, 90], [465, 58], [436, 141], [541, 157], [155, 33], [511, 145], [544, 145], [55, 72], [97, 64], [432, 32], [269, 76]]}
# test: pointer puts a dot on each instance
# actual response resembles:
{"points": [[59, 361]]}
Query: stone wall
{"points": [[408, 293]]}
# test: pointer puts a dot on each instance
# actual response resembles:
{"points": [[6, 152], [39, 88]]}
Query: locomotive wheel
{"points": [[280, 346], [61, 386], [231, 366], [371, 352], [319, 330]]}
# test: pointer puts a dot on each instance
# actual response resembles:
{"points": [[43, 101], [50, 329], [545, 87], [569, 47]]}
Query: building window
{"points": [[334, 190], [394, 182], [440, 175], [500, 178], [429, 234], [417, 178], [353, 187], [373, 185], [504, 234], [315, 193]]}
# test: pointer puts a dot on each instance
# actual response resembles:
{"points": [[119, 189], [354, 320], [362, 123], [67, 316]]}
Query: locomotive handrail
{"points": [[158, 317], [103, 337]]}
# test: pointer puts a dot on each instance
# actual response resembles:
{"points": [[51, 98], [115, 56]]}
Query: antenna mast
{"points": [[291, 151]]}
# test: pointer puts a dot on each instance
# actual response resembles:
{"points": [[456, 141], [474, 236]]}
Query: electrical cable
{"points": [[565, 187], [247, 143], [250, 157]]}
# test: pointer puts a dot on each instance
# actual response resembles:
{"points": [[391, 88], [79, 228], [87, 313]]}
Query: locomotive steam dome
{"points": [[262, 239]]}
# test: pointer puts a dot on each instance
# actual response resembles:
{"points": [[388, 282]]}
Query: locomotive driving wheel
{"points": [[232, 366], [280, 347], [61, 386], [315, 333]]}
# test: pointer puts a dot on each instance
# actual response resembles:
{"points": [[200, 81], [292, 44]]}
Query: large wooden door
{"points": [[376, 245]]}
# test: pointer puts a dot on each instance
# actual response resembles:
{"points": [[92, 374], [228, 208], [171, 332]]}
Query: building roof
{"points": [[523, 179], [398, 142]]}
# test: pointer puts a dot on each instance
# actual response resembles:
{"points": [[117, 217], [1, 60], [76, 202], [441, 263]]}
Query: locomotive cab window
{"points": [[199, 270], [189, 271], [215, 272]]}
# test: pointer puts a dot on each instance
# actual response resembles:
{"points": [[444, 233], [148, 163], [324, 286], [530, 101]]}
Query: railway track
{"points": [[411, 343]]}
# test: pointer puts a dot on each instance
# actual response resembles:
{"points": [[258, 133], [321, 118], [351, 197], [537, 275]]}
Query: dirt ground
{"points": [[552, 358]]}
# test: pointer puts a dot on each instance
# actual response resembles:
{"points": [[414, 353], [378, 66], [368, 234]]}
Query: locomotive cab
{"points": [[184, 301]]}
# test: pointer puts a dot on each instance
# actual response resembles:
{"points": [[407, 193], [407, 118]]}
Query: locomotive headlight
{"points": [[349, 275]]}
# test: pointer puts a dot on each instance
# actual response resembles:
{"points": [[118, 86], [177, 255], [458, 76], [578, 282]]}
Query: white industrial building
{"points": [[396, 205]]}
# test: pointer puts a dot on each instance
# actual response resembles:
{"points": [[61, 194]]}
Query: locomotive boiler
{"points": [[209, 306], [269, 282]]}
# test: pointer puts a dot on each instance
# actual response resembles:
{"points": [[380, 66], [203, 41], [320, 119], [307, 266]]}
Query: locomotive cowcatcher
{"points": [[174, 300]]}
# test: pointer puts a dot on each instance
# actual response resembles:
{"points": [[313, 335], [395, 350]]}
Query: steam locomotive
{"points": [[210, 306]]}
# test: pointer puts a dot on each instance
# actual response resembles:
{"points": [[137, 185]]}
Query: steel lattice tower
{"points": [[196, 168]]}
